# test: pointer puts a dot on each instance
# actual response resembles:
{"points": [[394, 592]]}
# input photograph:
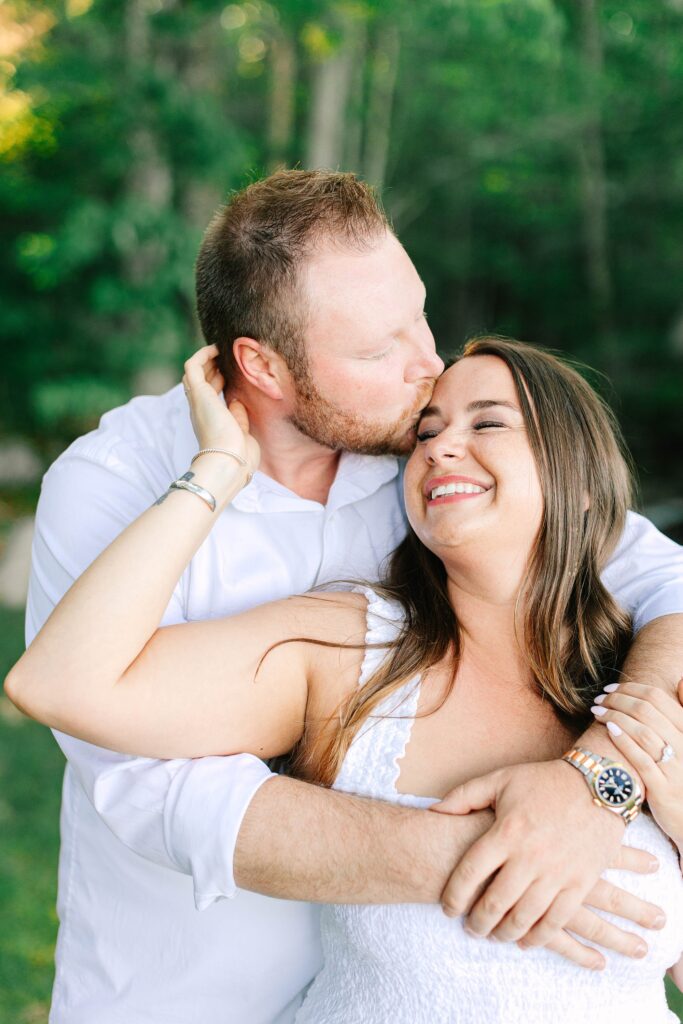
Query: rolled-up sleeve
{"points": [[645, 574], [180, 814]]}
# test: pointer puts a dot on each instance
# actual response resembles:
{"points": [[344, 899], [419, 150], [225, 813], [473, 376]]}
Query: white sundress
{"points": [[410, 964]]}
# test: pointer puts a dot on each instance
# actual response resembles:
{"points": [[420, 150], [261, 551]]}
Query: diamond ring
{"points": [[667, 753]]}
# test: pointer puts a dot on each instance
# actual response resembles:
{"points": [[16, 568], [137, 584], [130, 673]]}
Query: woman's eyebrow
{"points": [[481, 403], [486, 403]]}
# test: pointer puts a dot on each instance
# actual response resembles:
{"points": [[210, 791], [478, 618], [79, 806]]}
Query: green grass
{"points": [[30, 781], [675, 999], [31, 767]]}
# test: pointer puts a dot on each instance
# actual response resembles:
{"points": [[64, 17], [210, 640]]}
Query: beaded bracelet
{"points": [[224, 451]]}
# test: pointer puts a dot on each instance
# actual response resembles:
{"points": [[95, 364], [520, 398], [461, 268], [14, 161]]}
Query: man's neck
{"points": [[294, 460]]}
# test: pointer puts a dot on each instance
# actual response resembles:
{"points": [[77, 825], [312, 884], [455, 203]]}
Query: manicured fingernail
{"points": [[611, 687], [599, 700], [640, 951], [598, 710], [652, 867], [659, 921], [613, 728]]}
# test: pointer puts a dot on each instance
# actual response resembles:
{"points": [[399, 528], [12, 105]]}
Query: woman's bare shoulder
{"points": [[335, 616], [336, 623]]}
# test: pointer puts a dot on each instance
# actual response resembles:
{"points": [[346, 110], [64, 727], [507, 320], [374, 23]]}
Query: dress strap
{"points": [[371, 763]]}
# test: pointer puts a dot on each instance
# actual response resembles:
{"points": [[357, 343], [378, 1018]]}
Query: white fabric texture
{"points": [[410, 964], [144, 841]]}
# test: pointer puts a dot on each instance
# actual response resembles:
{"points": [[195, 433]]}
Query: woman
{"points": [[487, 646]]}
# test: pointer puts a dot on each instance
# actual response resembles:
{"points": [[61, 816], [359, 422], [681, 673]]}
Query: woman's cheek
{"points": [[412, 492]]}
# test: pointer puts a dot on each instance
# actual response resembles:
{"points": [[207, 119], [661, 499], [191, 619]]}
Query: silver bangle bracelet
{"points": [[201, 492]]}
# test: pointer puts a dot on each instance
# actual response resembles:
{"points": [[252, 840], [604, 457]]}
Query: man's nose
{"points": [[426, 362], [436, 364]]}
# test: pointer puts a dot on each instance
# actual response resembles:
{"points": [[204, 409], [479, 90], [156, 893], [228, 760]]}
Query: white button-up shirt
{"points": [[144, 842]]}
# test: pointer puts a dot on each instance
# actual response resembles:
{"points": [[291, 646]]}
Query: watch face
{"points": [[614, 786]]}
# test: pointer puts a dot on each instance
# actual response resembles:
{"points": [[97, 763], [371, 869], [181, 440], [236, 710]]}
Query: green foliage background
{"points": [[530, 153]]}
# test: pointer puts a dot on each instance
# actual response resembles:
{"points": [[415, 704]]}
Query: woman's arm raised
{"points": [[99, 670]]}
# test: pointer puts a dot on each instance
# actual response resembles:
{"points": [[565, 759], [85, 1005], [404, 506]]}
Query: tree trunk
{"points": [[593, 182], [283, 68], [353, 144], [149, 177], [330, 89], [382, 87]]}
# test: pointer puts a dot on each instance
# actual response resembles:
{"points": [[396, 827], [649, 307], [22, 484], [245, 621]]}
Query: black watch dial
{"points": [[614, 786]]}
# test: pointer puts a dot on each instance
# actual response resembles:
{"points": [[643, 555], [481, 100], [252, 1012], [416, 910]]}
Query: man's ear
{"points": [[260, 366]]}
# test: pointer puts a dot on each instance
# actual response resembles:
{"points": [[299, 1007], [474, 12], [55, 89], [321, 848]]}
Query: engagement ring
{"points": [[667, 754]]}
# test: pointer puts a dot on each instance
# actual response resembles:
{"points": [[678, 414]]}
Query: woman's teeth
{"points": [[444, 489]]}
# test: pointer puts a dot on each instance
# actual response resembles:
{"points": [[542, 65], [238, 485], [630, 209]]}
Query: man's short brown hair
{"points": [[247, 272]]}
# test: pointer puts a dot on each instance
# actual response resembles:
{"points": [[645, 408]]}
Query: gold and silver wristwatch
{"points": [[611, 784]]}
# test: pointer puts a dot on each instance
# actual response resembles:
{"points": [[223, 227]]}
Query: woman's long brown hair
{"points": [[572, 631]]}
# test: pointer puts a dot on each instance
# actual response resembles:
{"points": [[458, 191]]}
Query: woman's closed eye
{"points": [[488, 425], [425, 435]]}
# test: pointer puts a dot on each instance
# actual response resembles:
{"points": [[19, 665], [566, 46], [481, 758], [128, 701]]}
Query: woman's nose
{"points": [[442, 448]]}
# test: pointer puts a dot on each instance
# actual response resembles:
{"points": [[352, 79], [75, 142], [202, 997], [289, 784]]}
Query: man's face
{"points": [[372, 361]]}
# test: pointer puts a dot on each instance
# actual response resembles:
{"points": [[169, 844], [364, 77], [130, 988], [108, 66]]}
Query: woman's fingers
{"points": [[649, 705], [643, 730], [240, 413], [198, 365], [634, 751], [216, 379], [216, 425]]}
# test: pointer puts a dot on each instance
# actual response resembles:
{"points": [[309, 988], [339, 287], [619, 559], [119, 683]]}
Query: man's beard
{"points": [[317, 418]]}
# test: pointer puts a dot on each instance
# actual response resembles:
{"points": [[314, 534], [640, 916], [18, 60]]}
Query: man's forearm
{"points": [[656, 654], [303, 842]]}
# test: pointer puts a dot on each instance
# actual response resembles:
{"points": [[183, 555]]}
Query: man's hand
{"points": [[586, 924], [547, 849]]}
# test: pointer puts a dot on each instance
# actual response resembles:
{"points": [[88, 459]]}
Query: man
{"points": [[319, 316]]}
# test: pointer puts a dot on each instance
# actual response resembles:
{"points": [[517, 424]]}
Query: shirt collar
{"points": [[358, 476]]}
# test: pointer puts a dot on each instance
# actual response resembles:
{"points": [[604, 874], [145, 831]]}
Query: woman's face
{"points": [[472, 478]]}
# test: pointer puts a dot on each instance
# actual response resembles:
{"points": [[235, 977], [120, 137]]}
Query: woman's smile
{"points": [[451, 487]]}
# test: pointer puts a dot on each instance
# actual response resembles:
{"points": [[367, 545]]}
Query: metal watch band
{"points": [[585, 761], [590, 764]]}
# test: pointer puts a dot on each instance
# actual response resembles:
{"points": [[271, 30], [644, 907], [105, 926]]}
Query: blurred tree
{"points": [[530, 153]]}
